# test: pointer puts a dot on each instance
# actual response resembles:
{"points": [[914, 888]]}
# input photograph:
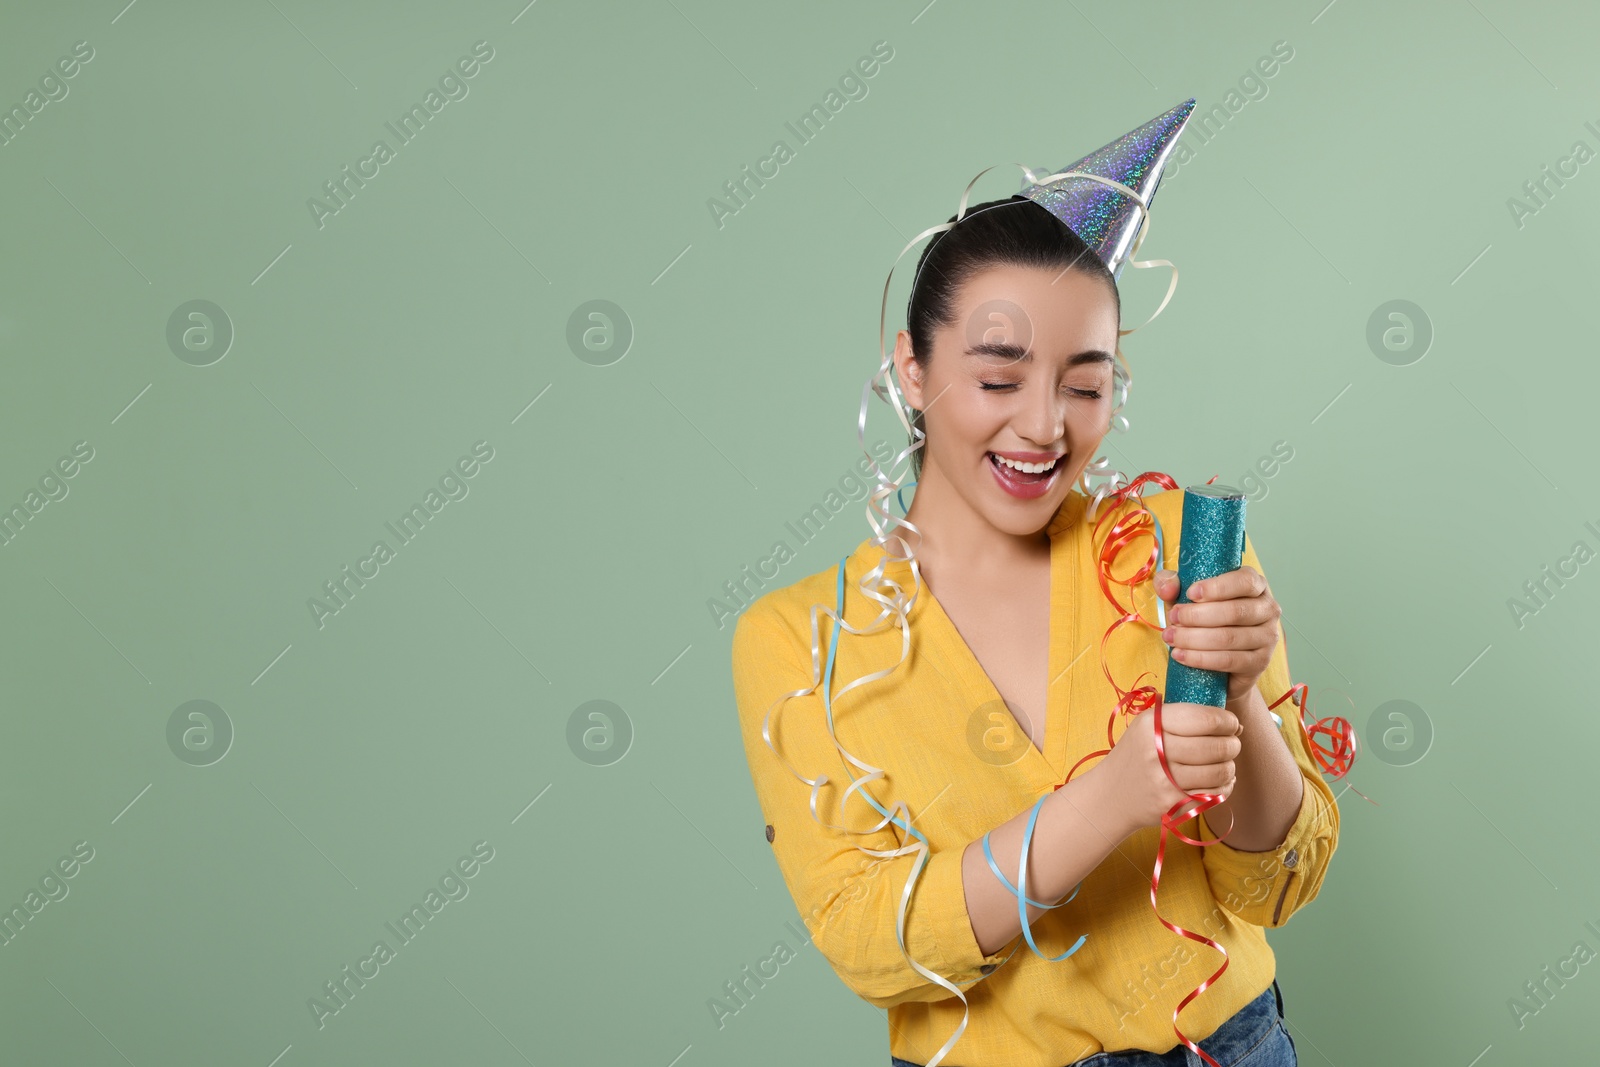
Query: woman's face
{"points": [[1024, 372]]}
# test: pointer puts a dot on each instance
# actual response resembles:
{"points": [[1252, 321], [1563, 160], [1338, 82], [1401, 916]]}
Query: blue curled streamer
{"points": [[1022, 864], [897, 606], [1022, 888], [988, 854]]}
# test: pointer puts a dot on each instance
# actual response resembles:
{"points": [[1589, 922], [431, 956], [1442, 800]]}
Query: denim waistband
{"points": [[1247, 1028]]}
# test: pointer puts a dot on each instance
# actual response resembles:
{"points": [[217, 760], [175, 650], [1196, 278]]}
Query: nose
{"points": [[1045, 417]]}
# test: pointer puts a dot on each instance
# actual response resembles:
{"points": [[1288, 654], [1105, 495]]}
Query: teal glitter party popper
{"points": [[1212, 543]]}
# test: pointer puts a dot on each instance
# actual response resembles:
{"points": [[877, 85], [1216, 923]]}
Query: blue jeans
{"points": [[1254, 1037]]}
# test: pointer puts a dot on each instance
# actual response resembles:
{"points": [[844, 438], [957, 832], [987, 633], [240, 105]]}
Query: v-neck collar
{"points": [[933, 631]]}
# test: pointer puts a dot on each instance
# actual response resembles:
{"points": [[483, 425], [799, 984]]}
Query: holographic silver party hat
{"points": [[1106, 218]]}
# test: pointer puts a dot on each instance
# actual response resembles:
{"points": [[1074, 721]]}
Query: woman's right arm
{"points": [[848, 900], [1082, 822], [960, 915], [1078, 826]]}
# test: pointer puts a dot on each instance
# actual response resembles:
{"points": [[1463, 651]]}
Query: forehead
{"points": [[1048, 310]]}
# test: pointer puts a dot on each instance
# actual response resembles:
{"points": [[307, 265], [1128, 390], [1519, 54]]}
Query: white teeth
{"points": [[1025, 468]]}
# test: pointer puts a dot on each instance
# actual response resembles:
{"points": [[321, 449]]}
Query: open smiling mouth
{"points": [[1026, 480]]}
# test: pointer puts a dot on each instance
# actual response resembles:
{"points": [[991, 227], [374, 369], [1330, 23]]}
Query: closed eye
{"points": [[1087, 394]]}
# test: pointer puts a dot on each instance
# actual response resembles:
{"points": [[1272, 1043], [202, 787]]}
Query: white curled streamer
{"points": [[894, 602]]}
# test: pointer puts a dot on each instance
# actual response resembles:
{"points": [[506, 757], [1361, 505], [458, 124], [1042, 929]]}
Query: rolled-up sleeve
{"points": [[1265, 888], [848, 900]]}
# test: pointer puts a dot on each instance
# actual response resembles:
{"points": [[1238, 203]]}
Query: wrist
{"points": [[1249, 704], [1096, 800]]}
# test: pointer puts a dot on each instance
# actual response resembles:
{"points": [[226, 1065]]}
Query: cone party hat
{"points": [[1108, 219]]}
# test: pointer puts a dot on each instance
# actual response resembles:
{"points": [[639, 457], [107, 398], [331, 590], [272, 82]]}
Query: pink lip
{"points": [[1015, 485]]}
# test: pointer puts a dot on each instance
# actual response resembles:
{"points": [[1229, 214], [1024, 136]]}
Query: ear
{"points": [[907, 370]]}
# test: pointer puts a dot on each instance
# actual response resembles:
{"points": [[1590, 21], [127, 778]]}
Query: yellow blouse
{"points": [[923, 724]]}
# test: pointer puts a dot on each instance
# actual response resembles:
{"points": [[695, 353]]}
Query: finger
{"points": [[1198, 720], [1207, 778], [1234, 583], [1166, 583], [1203, 751], [1252, 662], [1244, 582], [1212, 638], [1243, 611], [1222, 777]]}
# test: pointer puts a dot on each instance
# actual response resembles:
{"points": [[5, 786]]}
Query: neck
{"points": [[954, 532]]}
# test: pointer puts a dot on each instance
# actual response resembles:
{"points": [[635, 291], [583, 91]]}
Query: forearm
{"points": [[1078, 826], [1268, 788]]}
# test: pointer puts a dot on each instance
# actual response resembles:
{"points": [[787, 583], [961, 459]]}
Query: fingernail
{"points": [[1166, 635]]}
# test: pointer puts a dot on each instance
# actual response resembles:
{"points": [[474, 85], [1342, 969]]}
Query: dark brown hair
{"points": [[1017, 231]]}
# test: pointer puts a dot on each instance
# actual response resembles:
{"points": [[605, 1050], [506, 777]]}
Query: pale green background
{"points": [[433, 309]]}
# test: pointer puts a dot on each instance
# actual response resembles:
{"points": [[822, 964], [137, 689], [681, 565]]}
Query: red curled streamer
{"points": [[1335, 758]]}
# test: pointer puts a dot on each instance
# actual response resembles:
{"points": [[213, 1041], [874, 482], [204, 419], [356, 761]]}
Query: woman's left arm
{"points": [[1285, 821]]}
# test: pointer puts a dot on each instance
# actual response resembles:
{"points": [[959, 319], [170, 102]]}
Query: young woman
{"points": [[968, 705]]}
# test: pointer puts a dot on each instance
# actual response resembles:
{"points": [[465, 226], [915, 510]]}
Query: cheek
{"points": [[967, 417], [1091, 415]]}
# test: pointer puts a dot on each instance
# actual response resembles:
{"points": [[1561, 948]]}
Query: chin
{"points": [[1023, 517]]}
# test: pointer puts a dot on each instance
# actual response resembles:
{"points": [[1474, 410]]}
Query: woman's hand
{"points": [[1200, 743], [1232, 628]]}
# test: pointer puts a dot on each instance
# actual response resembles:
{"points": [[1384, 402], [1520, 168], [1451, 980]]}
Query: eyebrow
{"points": [[1018, 354]]}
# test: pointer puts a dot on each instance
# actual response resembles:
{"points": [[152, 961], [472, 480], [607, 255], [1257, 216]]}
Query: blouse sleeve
{"points": [[848, 900], [1265, 888]]}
